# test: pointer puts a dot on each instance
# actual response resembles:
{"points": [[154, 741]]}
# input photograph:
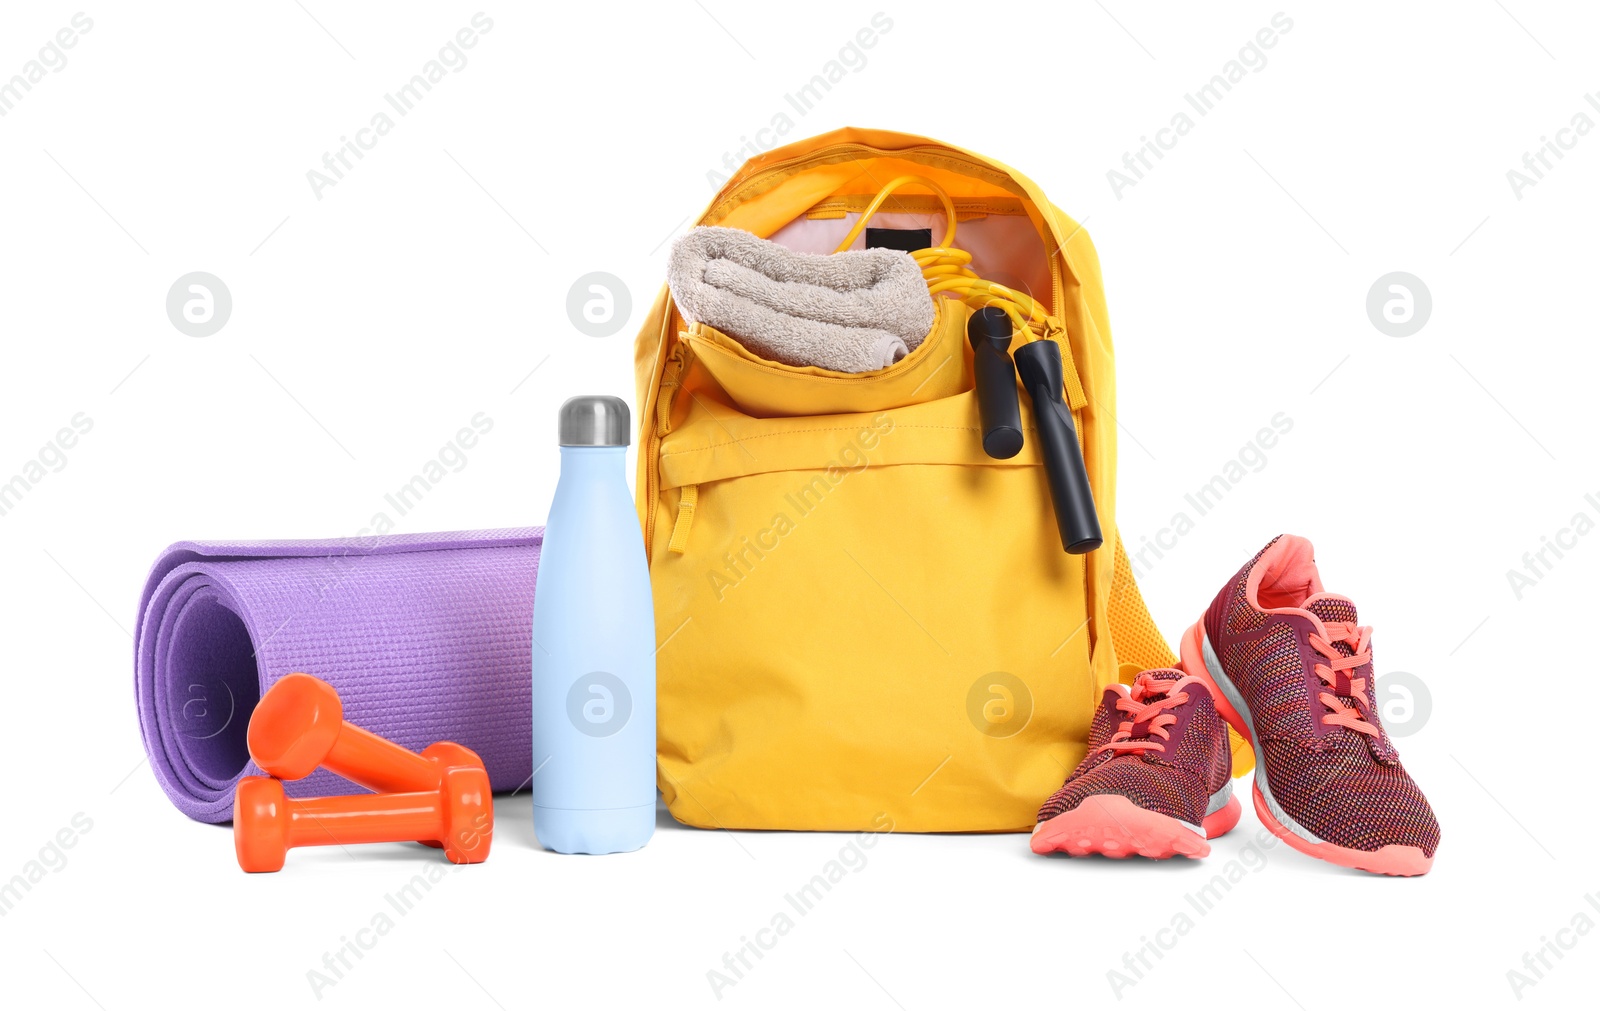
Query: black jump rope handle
{"points": [[989, 333], [1039, 365]]}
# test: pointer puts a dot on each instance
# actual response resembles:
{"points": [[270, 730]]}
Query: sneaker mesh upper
{"points": [[1177, 782]]}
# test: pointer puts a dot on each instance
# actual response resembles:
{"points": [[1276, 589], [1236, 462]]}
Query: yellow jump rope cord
{"points": [[945, 268]]}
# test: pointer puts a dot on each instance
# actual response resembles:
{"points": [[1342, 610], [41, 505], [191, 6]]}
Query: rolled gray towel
{"points": [[854, 311]]}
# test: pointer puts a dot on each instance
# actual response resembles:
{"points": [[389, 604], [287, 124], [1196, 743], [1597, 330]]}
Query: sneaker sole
{"points": [[1114, 826], [1199, 660]]}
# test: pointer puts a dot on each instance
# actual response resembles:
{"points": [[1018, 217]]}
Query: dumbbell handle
{"points": [[365, 818], [368, 760]]}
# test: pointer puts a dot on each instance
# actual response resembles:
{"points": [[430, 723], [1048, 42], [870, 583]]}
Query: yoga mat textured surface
{"points": [[425, 636]]}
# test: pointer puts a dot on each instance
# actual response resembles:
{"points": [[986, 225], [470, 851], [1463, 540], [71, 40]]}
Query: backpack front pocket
{"points": [[866, 599], [938, 367]]}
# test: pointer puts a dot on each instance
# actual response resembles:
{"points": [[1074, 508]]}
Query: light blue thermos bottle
{"points": [[594, 643]]}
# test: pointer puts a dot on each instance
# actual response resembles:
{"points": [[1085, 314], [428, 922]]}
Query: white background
{"points": [[431, 284]]}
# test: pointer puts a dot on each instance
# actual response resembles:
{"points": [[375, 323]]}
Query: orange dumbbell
{"points": [[459, 813], [299, 726]]}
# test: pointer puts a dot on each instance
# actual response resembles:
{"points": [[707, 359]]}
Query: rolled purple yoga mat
{"points": [[425, 636]]}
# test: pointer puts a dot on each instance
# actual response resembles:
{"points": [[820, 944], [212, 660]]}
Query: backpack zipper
{"points": [[671, 379], [831, 154]]}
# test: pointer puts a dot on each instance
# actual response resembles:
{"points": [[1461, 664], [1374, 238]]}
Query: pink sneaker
{"points": [[1291, 671], [1157, 781]]}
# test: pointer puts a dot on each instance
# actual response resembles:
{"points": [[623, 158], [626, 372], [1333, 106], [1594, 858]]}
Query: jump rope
{"points": [[1000, 315]]}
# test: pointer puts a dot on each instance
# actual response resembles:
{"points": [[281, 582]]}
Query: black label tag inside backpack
{"points": [[907, 239]]}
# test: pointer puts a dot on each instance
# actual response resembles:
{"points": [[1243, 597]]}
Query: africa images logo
{"points": [[599, 704]]}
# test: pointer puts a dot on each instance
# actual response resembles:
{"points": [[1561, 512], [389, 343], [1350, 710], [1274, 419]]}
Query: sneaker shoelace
{"points": [[1335, 674], [1147, 704]]}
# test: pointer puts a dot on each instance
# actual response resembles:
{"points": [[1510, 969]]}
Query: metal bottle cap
{"points": [[594, 421]]}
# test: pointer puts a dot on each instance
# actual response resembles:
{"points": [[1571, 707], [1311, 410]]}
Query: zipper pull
{"points": [[1056, 331], [671, 378], [688, 498]]}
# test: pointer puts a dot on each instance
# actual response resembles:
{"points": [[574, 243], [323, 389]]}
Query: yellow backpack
{"points": [[865, 621]]}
